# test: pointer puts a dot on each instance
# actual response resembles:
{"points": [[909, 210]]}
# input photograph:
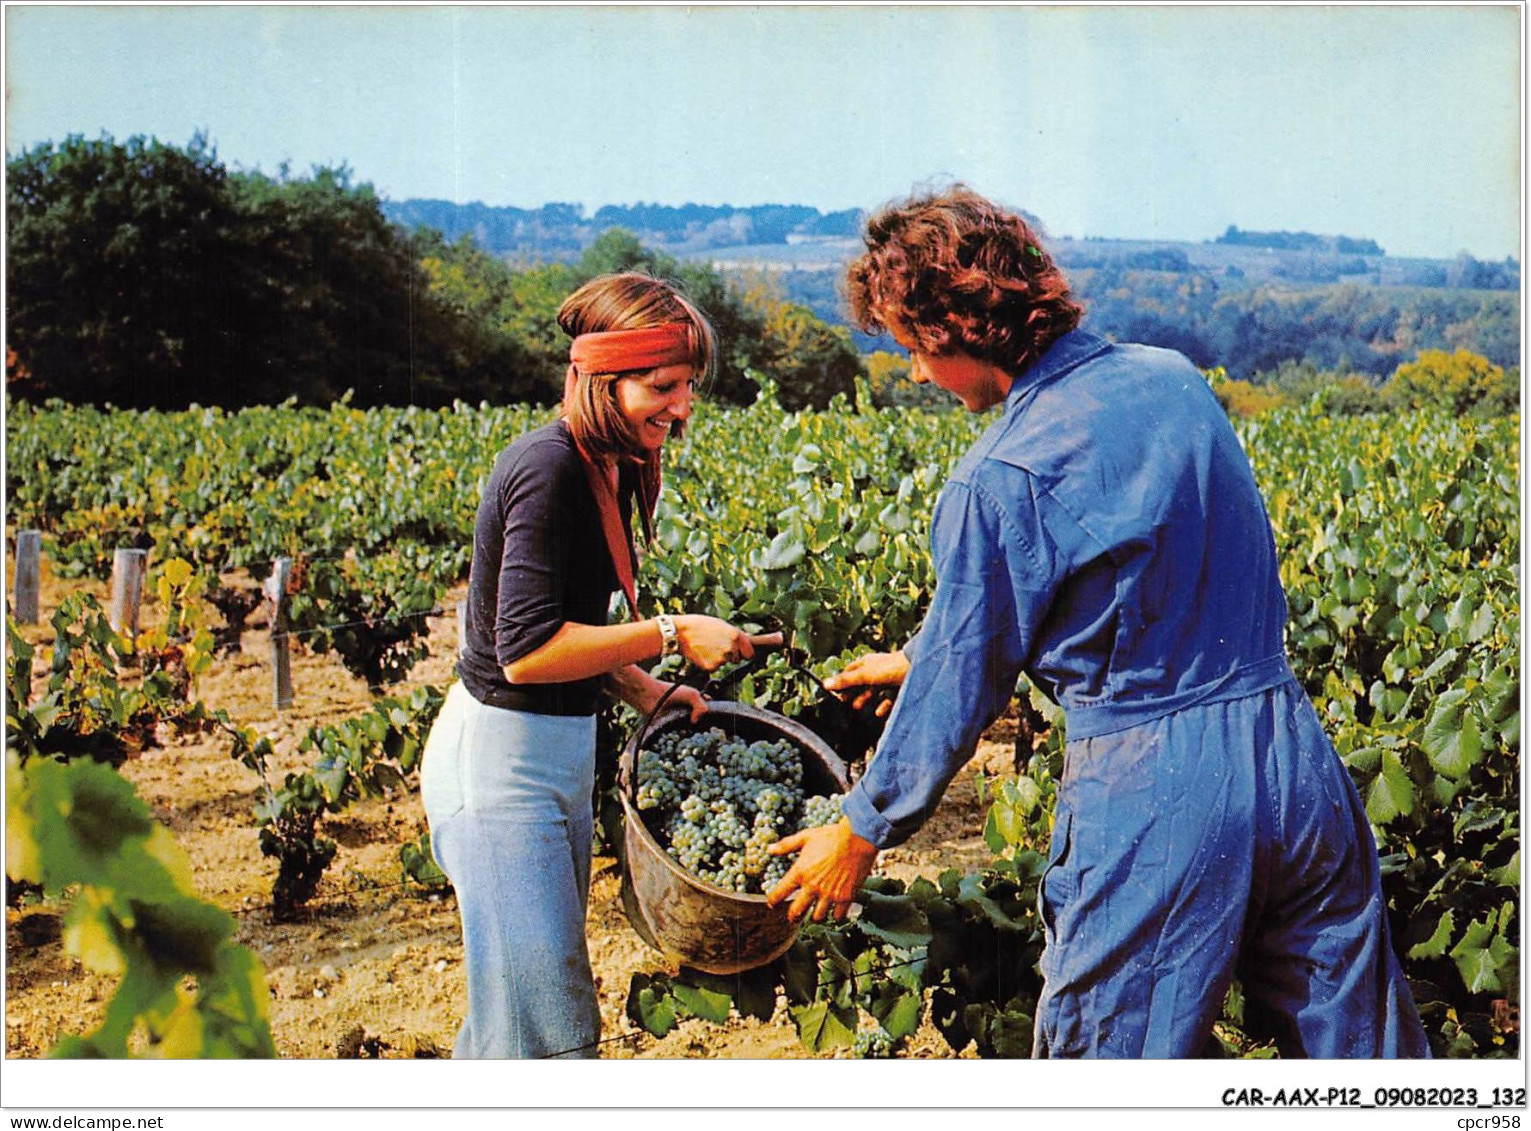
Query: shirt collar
{"points": [[1074, 348]]}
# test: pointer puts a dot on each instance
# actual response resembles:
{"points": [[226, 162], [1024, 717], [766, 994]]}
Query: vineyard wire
{"points": [[337, 897], [432, 612], [251, 567]]}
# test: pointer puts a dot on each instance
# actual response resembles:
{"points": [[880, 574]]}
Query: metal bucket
{"points": [[689, 921]]}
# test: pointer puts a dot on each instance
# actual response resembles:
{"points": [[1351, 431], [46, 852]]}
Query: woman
{"points": [[1106, 536], [509, 766]]}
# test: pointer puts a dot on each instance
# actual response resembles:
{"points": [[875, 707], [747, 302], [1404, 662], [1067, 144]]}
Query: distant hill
{"points": [[796, 237], [562, 231], [1248, 301]]}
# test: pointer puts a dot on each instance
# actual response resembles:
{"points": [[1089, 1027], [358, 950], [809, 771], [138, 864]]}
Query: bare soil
{"points": [[375, 970]]}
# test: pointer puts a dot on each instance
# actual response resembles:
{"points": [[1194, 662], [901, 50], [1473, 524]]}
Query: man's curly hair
{"points": [[954, 271]]}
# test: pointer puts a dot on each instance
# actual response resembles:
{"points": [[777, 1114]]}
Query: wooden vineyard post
{"points": [[275, 588], [28, 566], [462, 627], [127, 591]]}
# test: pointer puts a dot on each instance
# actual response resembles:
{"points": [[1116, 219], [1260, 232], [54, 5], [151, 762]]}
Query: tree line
{"points": [[148, 275], [1300, 241], [1253, 330], [561, 231]]}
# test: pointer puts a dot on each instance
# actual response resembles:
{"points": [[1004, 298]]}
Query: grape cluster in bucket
{"points": [[716, 803]]}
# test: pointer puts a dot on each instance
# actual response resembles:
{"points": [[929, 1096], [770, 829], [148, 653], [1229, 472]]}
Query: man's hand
{"points": [[865, 675], [831, 866]]}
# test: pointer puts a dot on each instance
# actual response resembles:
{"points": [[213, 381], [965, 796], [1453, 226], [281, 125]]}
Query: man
{"points": [[1106, 536]]}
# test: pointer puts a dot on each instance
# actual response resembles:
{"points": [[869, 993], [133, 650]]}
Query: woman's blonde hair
{"points": [[630, 300]]}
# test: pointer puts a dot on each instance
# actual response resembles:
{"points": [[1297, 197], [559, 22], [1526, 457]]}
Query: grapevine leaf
{"points": [[800, 972], [650, 1005], [1366, 760], [1438, 665], [237, 999], [1000, 1032], [93, 935], [1451, 739], [331, 776], [974, 899], [177, 572], [755, 993], [181, 1036], [1480, 956], [162, 847], [385, 777], [181, 933], [824, 1026], [898, 1011], [836, 974], [992, 836], [1482, 623], [1460, 615], [23, 857], [1443, 791], [1508, 875], [785, 552], [1028, 795], [1435, 946], [893, 919], [1477, 817], [1392, 793], [695, 1001]]}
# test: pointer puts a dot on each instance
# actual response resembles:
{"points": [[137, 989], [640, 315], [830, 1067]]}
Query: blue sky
{"points": [[1397, 123]]}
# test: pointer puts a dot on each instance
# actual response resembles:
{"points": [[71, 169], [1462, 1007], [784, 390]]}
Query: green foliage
{"points": [[142, 274], [105, 695], [1459, 382], [1399, 543], [810, 361], [116, 257], [375, 754], [185, 989], [1241, 398], [370, 610], [420, 865], [1254, 329], [1398, 538], [968, 944]]}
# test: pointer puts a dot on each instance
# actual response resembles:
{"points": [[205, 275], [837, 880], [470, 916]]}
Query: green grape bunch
{"points": [[717, 803]]}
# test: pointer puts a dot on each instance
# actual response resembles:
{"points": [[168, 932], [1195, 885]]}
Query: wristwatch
{"points": [[671, 639]]}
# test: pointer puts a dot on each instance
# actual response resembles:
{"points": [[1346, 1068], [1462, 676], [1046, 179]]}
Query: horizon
{"points": [[588, 211], [1158, 123]]}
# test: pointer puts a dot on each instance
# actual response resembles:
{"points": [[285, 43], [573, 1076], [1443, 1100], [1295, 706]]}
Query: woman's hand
{"points": [[860, 679], [831, 866], [688, 697], [709, 643], [643, 692]]}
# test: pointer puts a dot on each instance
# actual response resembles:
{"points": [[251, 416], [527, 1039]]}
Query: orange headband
{"points": [[623, 351]]}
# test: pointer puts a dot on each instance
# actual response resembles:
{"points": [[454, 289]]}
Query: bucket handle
{"points": [[760, 642]]}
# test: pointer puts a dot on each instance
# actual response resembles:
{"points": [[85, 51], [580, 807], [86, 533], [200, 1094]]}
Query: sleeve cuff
{"points": [[511, 643], [911, 647], [866, 821]]}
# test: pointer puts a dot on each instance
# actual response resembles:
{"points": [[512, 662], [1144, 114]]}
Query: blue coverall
{"points": [[1106, 536]]}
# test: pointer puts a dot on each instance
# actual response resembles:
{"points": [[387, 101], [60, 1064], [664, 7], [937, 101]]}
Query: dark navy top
{"points": [[539, 560], [1105, 536]]}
